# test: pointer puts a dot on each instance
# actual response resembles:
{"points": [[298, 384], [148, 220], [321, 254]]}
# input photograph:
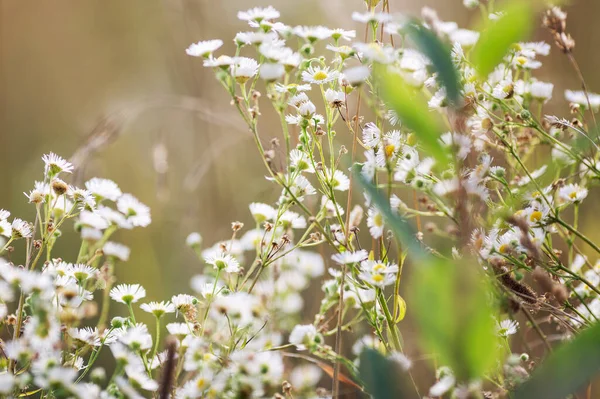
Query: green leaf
{"points": [[498, 36], [401, 308], [566, 370], [401, 228], [413, 111], [382, 377], [451, 305], [441, 59]]}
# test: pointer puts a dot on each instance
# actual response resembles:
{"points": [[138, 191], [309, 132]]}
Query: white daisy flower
{"points": [[378, 274], [338, 33], [371, 17], [139, 378], [459, 142], [103, 189], [578, 97], [302, 187], [204, 48], [127, 293], [35, 197], [376, 52], [82, 272], [438, 100], [445, 187], [507, 327], [541, 90], [443, 385], [136, 213], [535, 174], [243, 68], [193, 240], [224, 262], [183, 301], [305, 376], [116, 250], [369, 167], [319, 75], [356, 75], [343, 51], [221, 61], [4, 214], [292, 88], [56, 164], [292, 220], [180, 330], [572, 193], [526, 63], [307, 109], [5, 228], [242, 38], [262, 212], [114, 217], [335, 98], [84, 198], [136, 338], [305, 336], [371, 135], [21, 229], [93, 219], [158, 309], [271, 71], [348, 257], [400, 359], [375, 222], [540, 48], [88, 335], [299, 161], [259, 14], [465, 37], [312, 33], [378, 266]]}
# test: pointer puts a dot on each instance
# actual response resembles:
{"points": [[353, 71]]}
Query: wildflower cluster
{"points": [[350, 164], [496, 201]]}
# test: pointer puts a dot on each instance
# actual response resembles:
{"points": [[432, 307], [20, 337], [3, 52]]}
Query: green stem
{"points": [[156, 340]]}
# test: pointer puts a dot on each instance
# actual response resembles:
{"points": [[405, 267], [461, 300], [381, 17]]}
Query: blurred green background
{"points": [[116, 71]]}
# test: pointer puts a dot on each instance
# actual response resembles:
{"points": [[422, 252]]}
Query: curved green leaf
{"points": [[498, 36], [413, 111], [441, 59], [566, 370]]}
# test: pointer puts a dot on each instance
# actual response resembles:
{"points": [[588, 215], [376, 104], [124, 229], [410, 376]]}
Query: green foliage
{"points": [[498, 36], [439, 54], [451, 302], [412, 109], [382, 377], [566, 370]]}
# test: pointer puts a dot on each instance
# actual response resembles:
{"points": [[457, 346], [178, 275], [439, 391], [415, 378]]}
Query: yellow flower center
{"points": [[378, 278], [503, 248], [378, 268], [521, 60], [378, 220], [389, 150], [487, 124], [535, 216], [320, 75], [573, 194], [201, 383]]}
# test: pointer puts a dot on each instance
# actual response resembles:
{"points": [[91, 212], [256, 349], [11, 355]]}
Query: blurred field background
{"points": [[114, 68]]}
